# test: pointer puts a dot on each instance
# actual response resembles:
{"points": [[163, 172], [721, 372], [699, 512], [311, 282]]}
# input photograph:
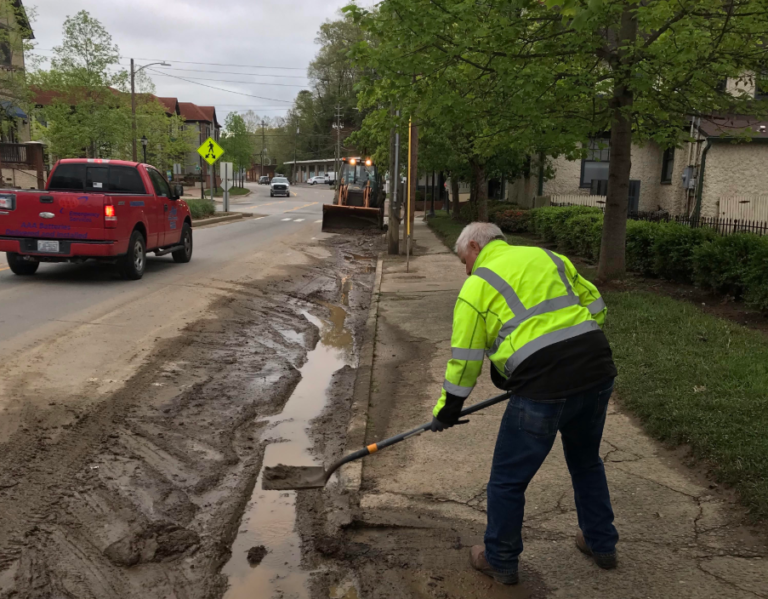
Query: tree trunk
{"points": [[613, 244], [455, 197], [481, 192]]}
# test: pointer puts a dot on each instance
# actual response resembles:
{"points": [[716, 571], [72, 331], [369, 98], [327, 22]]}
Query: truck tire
{"points": [[134, 262], [21, 267], [184, 255]]}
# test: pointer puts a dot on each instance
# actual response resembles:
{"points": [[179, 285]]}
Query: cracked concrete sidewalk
{"points": [[680, 536]]}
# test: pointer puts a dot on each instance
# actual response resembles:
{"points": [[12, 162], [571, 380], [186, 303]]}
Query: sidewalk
{"points": [[422, 503]]}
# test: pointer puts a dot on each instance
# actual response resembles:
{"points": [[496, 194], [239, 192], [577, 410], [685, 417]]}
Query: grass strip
{"points": [[696, 380]]}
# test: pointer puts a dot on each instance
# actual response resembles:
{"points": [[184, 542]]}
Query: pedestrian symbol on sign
{"points": [[210, 151]]}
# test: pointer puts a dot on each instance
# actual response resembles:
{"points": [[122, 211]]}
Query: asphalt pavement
{"points": [[74, 293]]}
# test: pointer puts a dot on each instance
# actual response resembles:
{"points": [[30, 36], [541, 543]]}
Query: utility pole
{"points": [[337, 160], [263, 146], [295, 143], [413, 168], [135, 72], [393, 212]]}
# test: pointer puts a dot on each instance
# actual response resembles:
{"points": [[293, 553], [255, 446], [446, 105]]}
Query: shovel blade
{"points": [[284, 478]]}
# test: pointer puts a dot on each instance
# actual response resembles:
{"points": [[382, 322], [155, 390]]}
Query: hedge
{"points": [[512, 221], [201, 208], [736, 265]]}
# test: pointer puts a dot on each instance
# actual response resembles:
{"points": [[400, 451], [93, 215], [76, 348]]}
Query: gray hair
{"points": [[481, 233]]}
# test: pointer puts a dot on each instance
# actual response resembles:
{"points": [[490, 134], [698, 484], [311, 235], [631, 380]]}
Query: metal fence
{"points": [[724, 226]]}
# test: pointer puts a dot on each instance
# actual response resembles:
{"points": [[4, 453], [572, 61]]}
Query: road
{"points": [[135, 416], [68, 293]]}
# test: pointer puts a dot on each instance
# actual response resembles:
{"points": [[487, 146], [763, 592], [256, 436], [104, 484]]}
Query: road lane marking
{"points": [[318, 221], [298, 220], [285, 219], [270, 204], [295, 196], [300, 207], [6, 268]]}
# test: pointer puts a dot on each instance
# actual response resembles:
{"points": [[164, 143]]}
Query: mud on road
{"points": [[144, 494]]}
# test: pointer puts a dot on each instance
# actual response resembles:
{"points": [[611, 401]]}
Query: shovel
{"points": [[282, 478]]}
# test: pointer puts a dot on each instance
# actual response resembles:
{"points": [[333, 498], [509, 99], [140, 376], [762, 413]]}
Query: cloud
{"points": [[243, 32]]}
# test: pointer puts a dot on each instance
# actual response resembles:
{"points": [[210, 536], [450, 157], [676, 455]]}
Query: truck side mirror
{"points": [[177, 190]]}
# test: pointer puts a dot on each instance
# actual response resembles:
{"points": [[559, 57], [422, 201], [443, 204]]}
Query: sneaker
{"points": [[479, 563], [607, 561]]}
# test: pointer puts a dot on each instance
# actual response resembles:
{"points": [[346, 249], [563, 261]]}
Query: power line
{"points": [[233, 81], [234, 73], [221, 89], [213, 64]]}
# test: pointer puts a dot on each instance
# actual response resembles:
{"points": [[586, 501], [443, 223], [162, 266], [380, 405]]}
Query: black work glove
{"points": [[439, 426]]}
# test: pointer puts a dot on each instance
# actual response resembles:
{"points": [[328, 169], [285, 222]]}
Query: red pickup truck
{"points": [[108, 210]]}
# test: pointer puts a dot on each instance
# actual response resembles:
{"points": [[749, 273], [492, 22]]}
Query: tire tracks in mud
{"points": [[141, 495]]}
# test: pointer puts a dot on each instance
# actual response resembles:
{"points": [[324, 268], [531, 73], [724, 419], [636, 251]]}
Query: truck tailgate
{"points": [[56, 215]]}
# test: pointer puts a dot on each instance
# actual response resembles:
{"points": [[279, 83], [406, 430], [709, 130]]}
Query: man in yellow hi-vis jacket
{"points": [[539, 323]]}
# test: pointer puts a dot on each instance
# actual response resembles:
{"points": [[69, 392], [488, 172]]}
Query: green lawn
{"points": [[235, 191], [448, 231], [201, 208], [693, 379], [696, 380]]}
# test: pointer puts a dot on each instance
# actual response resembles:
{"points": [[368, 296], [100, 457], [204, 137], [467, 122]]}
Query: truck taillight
{"points": [[7, 201], [110, 218]]}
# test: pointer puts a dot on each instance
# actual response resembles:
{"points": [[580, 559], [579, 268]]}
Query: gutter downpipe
{"points": [[540, 190], [700, 188]]}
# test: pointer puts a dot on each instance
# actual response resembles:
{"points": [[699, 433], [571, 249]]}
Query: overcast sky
{"points": [[257, 33]]}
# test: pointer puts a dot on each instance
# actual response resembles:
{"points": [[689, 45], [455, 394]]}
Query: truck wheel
{"points": [[184, 255], [271, 195], [132, 265], [21, 267]]}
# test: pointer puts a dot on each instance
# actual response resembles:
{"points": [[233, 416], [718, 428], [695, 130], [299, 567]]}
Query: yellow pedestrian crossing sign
{"points": [[210, 151]]}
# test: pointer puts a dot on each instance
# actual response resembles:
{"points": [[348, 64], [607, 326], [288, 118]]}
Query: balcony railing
{"points": [[14, 155]]}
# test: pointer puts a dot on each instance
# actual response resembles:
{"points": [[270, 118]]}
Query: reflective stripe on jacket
{"points": [[517, 301]]}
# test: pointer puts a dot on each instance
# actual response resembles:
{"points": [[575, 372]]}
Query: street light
{"points": [[134, 72], [144, 142]]}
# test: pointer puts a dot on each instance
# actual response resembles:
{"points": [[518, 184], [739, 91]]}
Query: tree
{"points": [[237, 142], [530, 78], [90, 115]]}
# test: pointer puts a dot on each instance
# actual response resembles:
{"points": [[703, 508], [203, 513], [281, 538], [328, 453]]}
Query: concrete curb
{"points": [[351, 475], [219, 219]]}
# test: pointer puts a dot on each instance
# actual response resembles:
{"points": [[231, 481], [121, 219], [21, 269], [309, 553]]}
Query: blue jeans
{"points": [[527, 434]]}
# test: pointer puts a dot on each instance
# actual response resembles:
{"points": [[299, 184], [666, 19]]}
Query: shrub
{"points": [[641, 237], [727, 264], [548, 221], [673, 249], [581, 234], [201, 208], [512, 221]]}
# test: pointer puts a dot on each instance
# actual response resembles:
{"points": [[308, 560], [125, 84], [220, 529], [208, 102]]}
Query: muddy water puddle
{"points": [[270, 516]]}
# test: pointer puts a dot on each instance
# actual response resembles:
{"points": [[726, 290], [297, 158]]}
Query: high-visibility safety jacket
{"points": [[517, 301]]}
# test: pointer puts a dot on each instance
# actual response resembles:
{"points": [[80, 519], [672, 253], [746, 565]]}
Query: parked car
{"points": [[318, 179], [279, 187], [108, 210], [264, 180]]}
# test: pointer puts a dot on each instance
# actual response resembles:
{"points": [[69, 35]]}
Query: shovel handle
{"points": [[374, 447]]}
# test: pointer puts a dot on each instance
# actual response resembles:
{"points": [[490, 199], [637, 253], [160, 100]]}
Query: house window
{"points": [[667, 165], [595, 165]]}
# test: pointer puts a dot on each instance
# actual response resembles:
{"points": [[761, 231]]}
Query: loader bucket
{"points": [[350, 217]]}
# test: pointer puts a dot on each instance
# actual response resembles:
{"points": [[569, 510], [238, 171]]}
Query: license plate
{"points": [[47, 246]]}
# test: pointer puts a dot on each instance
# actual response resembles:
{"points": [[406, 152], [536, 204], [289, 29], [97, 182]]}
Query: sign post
{"points": [[227, 175], [211, 152]]}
